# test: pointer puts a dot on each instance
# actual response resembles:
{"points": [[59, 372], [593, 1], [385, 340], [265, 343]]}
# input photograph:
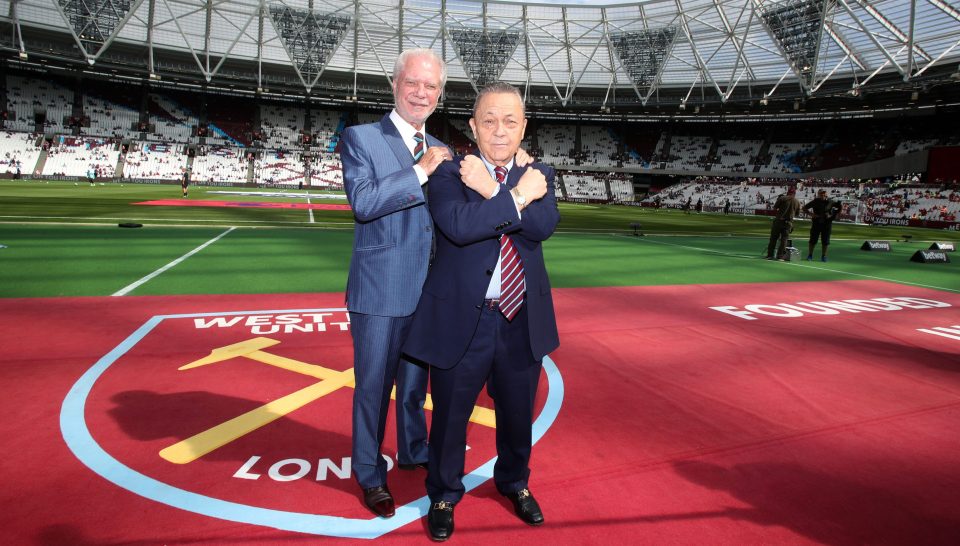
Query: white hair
{"points": [[420, 52]]}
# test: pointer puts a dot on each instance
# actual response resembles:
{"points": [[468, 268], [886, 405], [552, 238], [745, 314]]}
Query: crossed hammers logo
{"points": [[198, 445]]}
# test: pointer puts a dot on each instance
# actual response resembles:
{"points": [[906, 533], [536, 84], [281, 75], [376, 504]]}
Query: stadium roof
{"points": [[649, 52]]}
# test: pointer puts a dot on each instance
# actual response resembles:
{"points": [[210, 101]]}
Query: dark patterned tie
{"points": [[512, 280], [418, 147]]}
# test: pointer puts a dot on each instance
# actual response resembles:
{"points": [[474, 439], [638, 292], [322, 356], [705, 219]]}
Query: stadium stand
{"points": [[282, 125], [220, 164], [557, 143], [275, 168], [229, 153], [19, 152], [154, 161], [75, 157], [37, 104]]}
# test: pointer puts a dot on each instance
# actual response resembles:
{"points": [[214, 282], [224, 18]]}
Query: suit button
{"points": [[489, 272]]}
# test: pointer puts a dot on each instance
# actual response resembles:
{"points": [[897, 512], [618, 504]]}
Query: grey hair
{"points": [[402, 59], [498, 87]]}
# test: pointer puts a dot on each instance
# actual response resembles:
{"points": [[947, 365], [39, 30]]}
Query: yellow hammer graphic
{"points": [[198, 445]]}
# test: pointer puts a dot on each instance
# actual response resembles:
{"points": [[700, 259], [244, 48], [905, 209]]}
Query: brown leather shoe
{"points": [[379, 501], [526, 507], [411, 466]]}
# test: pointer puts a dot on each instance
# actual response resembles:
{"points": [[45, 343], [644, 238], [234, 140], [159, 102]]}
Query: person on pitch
{"points": [[823, 212], [785, 210], [486, 313]]}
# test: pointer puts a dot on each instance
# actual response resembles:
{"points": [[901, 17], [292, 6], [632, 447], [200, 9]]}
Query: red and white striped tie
{"points": [[512, 280]]}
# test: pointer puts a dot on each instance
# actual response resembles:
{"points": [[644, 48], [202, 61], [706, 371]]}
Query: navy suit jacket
{"points": [[393, 231], [468, 231]]}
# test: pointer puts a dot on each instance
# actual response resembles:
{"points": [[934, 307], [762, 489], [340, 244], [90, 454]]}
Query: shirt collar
{"points": [[406, 130]]}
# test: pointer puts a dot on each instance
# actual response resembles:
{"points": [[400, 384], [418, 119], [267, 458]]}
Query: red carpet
{"points": [[766, 422]]}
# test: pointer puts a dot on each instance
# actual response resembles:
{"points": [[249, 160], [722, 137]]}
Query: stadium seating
{"points": [[154, 161], [220, 164], [27, 97], [18, 150], [279, 169], [76, 157]]}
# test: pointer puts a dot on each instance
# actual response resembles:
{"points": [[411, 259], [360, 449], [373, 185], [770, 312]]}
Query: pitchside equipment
{"points": [[876, 246], [930, 257], [946, 247]]}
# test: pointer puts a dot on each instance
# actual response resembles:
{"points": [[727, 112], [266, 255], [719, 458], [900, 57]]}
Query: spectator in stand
{"points": [[785, 210], [823, 211]]}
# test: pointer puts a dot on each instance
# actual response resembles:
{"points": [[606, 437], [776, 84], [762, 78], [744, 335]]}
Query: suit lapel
{"points": [[395, 141], [431, 141]]}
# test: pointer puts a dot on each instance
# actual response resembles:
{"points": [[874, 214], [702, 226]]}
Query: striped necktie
{"points": [[418, 147], [512, 280]]}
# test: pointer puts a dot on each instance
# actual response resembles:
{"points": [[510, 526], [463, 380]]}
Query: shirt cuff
{"points": [[421, 174]]}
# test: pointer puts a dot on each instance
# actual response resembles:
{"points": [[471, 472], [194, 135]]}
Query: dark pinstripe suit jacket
{"points": [[391, 238]]}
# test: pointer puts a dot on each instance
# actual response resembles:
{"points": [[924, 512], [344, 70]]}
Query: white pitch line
{"points": [[129, 288], [798, 265], [309, 208]]}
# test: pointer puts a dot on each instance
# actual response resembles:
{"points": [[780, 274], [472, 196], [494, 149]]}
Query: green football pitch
{"points": [[64, 239]]}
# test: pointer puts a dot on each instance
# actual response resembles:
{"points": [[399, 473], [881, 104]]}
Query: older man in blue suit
{"points": [[385, 165], [486, 313]]}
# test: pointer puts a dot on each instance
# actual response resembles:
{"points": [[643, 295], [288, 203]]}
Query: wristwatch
{"points": [[518, 197]]}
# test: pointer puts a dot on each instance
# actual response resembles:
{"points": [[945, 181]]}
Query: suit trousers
{"points": [[499, 355], [377, 363]]}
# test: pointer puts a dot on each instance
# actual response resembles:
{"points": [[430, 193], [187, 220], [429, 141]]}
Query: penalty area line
{"points": [[133, 286]]}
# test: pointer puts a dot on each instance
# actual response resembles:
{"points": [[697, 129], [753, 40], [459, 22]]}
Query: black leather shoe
{"points": [[440, 521], [412, 466], [526, 507], [379, 501]]}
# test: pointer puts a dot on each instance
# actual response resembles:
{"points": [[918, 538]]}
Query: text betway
{"points": [[833, 307], [284, 323]]}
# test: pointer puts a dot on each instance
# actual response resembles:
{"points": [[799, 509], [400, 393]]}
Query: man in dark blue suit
{"points": [[385, 165], [486, 314]]}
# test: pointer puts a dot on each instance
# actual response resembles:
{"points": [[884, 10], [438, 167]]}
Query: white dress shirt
{"points": [[406, 132]]}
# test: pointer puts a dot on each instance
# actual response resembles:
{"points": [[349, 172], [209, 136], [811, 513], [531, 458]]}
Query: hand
{"points": [[433, 157], [522, 158], [475, 176], [532, 185]]}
